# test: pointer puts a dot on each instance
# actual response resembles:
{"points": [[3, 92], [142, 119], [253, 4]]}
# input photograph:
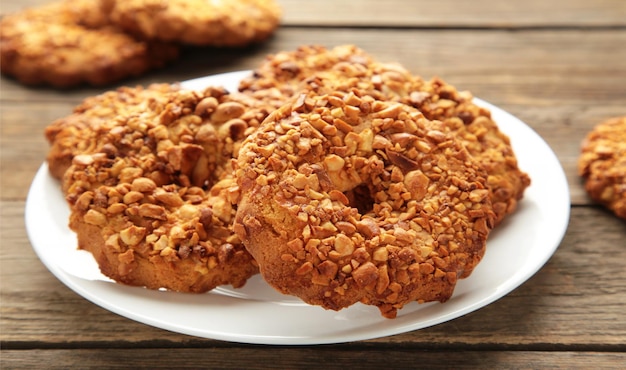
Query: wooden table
{"points": [[560, 66]]}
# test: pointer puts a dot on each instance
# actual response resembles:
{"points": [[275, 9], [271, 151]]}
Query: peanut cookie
{"points": [[155, 203], [70, 43], [288, 73], [602, 164], [345, 199], [198, 22]]}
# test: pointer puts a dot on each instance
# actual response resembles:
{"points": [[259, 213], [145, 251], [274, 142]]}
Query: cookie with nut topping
{"points": [[346, 199], [602, 164], [155, 200], [345, 66], [198, 22], [69, 43]]}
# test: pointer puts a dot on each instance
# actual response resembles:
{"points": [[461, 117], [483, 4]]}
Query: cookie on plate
{"points": [[345, 199], [288, 73], [154, 204], [602, 164], [198, 22], [69, 43]]}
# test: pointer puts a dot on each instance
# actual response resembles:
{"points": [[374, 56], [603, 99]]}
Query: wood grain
{"points": [[557, 65], [333, 357], [436, 14], [458, 14]]}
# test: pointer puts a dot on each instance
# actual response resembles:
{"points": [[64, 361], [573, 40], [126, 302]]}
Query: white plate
{"points": [[257, 314]]}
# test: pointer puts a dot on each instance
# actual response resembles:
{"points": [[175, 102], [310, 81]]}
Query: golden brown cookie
{"points": [[154, 202], [69, 43], [345, 199], [288, 73], [198, 22], [602, 164]]}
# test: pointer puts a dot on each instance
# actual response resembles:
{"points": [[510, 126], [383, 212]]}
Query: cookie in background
{"points": [[101, 42], [70, 43], [231, 23]]}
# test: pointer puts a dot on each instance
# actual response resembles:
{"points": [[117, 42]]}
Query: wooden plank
{"points": [[325, 357], [451, 13], [438, 14], [575, 301], [23, 147]]}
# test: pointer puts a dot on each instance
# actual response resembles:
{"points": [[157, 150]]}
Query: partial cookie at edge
{"points": [[602, 164]]}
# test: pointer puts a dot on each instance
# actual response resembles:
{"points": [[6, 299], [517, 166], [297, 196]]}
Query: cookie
{"points": [[602, 164], [155, 203], [198, 22], [288, 73], [69, 43], [346, 199]]}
